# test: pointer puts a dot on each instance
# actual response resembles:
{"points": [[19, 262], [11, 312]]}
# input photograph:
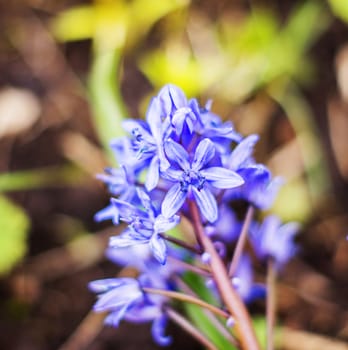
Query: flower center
{"points": [[191, 177]]}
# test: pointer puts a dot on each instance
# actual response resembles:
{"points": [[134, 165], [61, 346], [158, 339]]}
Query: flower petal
{"points": [[158, 248], [127, 239], [206, 203], [204, 153], [222, 178], [109, 212], [163, 224], [116, 298], [173, 201], [152, 176], [241, 155], [177, 153], [157, 330]]}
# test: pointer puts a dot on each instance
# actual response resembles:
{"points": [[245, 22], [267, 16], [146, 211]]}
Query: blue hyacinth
{"points": [[181, 154]]}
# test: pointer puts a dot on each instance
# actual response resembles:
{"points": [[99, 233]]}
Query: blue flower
{"points": [[210, 125], [243, 281], [259, 188], [195, 178], [123, 298], [273, 240], [145, 226], [175, 106]]}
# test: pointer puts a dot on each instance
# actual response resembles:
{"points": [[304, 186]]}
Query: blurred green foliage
{"points": [[340, 8], [112, 26], [14, 226]]}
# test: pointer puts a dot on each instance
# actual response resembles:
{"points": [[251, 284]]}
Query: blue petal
{"points": [[177, 153], [206, 203], [163, 224], [126, 210], [158, 329], [241, 155], [222, 178], [173, 201], [137, 127], [153, 117], [106, 284], [118, 297], [204, 153], [127, 239], [114, 318], [172, 95], [109, 212], [152, 176], [158, 248], [145, 199]]}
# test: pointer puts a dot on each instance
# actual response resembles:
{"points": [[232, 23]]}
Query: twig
{"points": [[86, 332]]}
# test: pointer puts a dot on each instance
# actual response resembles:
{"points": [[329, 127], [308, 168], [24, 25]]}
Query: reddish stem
{"points": [[241, 241], [231, 299]]}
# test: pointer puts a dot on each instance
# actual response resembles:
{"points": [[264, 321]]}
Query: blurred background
{"points": [[71, 70]]}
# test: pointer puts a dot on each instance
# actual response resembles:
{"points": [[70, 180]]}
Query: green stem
{"points": [[241, 241], [188, 267], [181, 243], [231, 299]]}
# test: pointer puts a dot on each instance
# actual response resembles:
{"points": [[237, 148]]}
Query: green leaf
{"points": [[107, 103], [14, 226], [260, 327], [201, 318]]}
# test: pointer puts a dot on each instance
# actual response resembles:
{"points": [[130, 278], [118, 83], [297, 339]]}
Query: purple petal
{"points": [[157, 330], [109, 212], [241, 155], [126, 210], [172, 174], [158, 248], [206, 203], [173, 201], [118, 297], [163, 224], [222, 178], [172, 95], [104, 285], [177, 153], [137, 127], [114, 318], [127, 239], [204, 153], [153, 117], [152, 176]]}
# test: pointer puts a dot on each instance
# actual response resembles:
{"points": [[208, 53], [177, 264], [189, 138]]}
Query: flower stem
{"points": [[188, 267], [188, 299], [181, 243], [189, 328], [270, 303], [231, 299], [215, 321], [241, 241]]}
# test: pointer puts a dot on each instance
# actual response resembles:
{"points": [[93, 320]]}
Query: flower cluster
{"points": [[182, 154]]}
